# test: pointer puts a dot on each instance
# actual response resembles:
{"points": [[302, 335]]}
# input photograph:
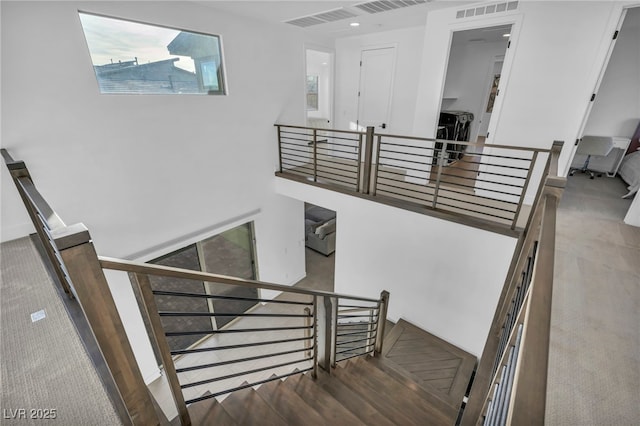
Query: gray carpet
{"points": [[594, 363], [44, 364]]}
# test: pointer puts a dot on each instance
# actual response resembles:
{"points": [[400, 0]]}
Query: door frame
{"points": [[332, 77], [515, 20], [393, 46], [605, 64]]}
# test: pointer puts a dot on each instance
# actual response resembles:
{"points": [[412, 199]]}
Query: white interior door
{"points": [[376, 87]]}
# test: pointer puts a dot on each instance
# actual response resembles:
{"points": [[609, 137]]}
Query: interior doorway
{"points": [[472, 82], [319, 88], [375, 91], [614, 111], [320, 245]]}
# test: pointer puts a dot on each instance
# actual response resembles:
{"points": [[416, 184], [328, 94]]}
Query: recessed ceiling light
{"points": [[355, 24], [506, 35], [324, 63]]}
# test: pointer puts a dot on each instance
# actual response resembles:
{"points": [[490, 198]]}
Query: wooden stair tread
{"points": [[246, 407], [331, 410], [428, 360], [352, 401], [406, 391], [385, 402], [289, 405], [212, 413]]}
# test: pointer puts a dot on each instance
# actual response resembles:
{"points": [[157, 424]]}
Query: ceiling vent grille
{"points": [[487, 10], [386, 5], [321, 18], [335, 15]]}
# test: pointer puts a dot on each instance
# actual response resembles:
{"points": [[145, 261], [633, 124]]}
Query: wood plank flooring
{"points": [[436, 365]]}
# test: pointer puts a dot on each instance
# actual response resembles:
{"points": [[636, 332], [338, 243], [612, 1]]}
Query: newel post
{"points": [[324, 316], [368, 159], [88, 280], [382, 320]]}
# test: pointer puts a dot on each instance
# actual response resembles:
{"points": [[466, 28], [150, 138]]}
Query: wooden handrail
{"points": [[416, 138], [167, 271], [527, 400], [527, 406]]}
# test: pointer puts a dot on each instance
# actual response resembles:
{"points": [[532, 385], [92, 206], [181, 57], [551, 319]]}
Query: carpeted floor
{"points": [[45, 368], [594, 363]]}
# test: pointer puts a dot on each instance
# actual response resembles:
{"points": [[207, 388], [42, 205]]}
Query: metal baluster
{"points": [[504, 409], [315, 155]]}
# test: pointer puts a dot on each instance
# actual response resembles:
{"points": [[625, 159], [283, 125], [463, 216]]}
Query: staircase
{"points": [[416, 381], [415, 378]]}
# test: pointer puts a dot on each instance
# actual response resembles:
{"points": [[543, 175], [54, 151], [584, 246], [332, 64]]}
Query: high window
{"points": [[136, 58]]}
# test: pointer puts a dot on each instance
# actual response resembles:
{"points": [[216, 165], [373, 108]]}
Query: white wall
{"points": [[616, 110], [467, 81], [442, 276], [556, 53], [408, 44], [633, 214], [141, 171]]}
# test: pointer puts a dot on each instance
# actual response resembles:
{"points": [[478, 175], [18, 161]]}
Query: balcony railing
{"points": [[483, 182]]}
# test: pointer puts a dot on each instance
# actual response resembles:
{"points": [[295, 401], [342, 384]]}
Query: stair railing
{"points": [[510, 383], [303, 340], [286, 356], [358, 328], [481, 184], [75, 262]]}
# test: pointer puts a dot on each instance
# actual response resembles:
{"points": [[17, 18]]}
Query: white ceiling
{"points": [[280, 11]]}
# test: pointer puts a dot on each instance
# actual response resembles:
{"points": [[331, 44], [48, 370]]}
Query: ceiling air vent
{"points": [[335, 15], [386, 5], [487, 10], [321, 18], [307, 21]]}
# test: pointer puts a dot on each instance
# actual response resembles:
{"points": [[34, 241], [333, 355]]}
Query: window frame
{"points": [[221, 71]]}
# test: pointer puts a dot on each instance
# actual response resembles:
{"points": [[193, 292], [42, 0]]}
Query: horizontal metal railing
{"points": [[486, 182], [356, 329], [288, 332], [273, 339], [293, 329], [330, 156]]}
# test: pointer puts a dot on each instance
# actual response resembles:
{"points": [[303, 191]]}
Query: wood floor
{"points": [[436, 365], [419, 380]]}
